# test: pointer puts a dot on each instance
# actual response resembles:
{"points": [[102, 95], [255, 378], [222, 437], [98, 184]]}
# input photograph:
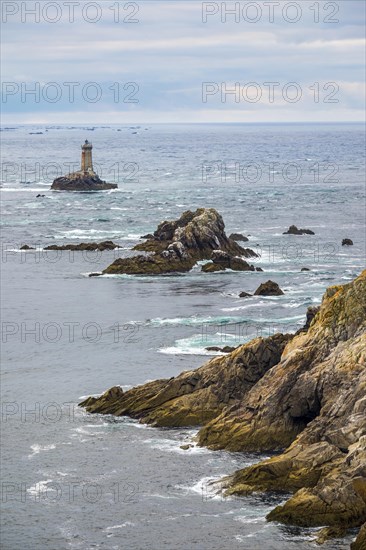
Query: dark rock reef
{"points": [[268, 288], [105, 245], [303, 395], [238, 237], [347, 242], [177, 245], [81, 181], [222, 261], [293, 230]]}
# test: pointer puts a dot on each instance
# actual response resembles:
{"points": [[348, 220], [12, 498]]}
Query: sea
{"points": [[71, 480]]}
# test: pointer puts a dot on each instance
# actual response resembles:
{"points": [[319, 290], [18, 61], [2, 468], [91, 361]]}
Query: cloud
{"points": [[171, 52]]}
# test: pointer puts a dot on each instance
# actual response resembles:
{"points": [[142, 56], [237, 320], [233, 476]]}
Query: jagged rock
{"points": [[177, 245], [186, 447], [148, 236], [258, 269], [347, 242], [26, 247], [81, 181], [244, 295], [195, 397], [293, 230], [268, 288], [305, 269], [310, 315], [360, 542], [238, 237], [105, 245]]}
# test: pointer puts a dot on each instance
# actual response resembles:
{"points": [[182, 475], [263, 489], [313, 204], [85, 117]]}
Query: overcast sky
{"points": [[177, 59]]}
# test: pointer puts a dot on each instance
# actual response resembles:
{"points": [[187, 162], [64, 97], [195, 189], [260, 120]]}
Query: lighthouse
{"points": [[86, 157], [85, 179]]}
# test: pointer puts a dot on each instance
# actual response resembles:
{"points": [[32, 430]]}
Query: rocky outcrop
{"points": [[238, 237], [27, 247], [105, 245], [313, 402], [222, 261], [195, 397], [269, 288], [301, 395], [81, 181], [347, 242], [293, 230], [177, 245], [310, 315]]}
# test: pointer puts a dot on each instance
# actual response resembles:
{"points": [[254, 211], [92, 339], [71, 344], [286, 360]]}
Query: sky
{"points": [[182, 61]]}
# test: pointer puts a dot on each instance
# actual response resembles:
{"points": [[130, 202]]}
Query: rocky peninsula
{"points": [[176, 246], [303, 396]]}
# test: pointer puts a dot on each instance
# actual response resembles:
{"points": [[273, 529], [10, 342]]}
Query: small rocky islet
{"points": [[176, 246], [301, 396], [85, 179]]}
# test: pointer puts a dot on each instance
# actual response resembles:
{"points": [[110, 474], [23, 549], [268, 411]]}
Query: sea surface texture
{"points": [[78, 481]]}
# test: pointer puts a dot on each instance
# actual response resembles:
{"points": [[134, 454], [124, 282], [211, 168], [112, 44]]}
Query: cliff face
{"points": [[316, 366], [177, 245], [304, 393], [313, 400]]}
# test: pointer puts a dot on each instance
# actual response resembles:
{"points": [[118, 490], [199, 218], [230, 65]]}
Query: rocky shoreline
{"points": [[301, 395]]}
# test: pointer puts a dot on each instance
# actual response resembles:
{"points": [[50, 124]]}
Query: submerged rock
{"points": [[268, 288], [293, 230], [245, 295], [177, 245], [347, 242]]}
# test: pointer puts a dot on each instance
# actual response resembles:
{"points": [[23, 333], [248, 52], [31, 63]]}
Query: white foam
{"points": [[38, 488], [121, 526], [36, 448], [207, 487]]}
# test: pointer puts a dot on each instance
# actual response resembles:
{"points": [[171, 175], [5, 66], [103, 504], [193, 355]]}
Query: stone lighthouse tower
{"points": [[86, 157], [85, 179]]}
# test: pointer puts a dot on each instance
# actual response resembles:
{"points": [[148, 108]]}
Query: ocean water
{"points": [[79, 481]]}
